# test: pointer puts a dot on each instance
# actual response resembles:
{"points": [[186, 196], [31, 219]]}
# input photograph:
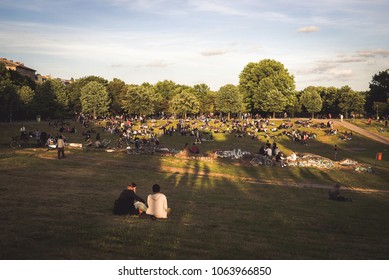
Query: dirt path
{"points": [[363, 132]]}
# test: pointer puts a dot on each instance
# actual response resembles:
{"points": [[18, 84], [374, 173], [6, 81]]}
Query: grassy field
{"points": [[375, 126], [222, 209]]}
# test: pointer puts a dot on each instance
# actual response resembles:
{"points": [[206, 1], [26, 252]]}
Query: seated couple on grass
{"points": [[129, 203], [193, 150]]}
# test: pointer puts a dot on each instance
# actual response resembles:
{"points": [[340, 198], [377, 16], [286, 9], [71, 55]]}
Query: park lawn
{"points": [[63, 210], [222, 209], [375, 126]]}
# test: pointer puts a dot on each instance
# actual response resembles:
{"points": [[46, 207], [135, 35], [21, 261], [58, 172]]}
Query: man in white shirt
{"points": [[157, 203], [60, 147]]}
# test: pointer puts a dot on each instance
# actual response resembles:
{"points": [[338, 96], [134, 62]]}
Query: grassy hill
{"points": [[222, 208]]}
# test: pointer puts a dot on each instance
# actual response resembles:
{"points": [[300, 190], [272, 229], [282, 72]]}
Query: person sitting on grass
{"points": [[268, 152], [292, 157], [194, 149], [280, 159], [157, 202], [129, 203], [334, 194]]}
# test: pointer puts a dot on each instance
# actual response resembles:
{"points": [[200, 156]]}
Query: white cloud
{"points": [[157, 64], [308, 29], [213, 52], [372, 53]]}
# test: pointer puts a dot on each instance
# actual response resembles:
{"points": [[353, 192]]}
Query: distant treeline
{"points": [[264, 88]]}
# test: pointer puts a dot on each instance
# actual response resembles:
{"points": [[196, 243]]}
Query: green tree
{"points": [[201, 91], [379, 86], [139, 100], [330, 98], [268, 98], [61, 97], [8, 99], [26, 97], [208, 102], [45, 100], [379, 91], [51, 99], [74, 90], [311, 100], [351, 101], [11, 107], [274, 102], [185, 103], [95, 99], [116, 90], [277, 78], [228, 100], [164, 92], [294, 105]]}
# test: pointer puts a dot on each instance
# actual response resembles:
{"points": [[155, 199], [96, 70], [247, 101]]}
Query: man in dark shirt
{"points": [[129, 203], [334, 194]]}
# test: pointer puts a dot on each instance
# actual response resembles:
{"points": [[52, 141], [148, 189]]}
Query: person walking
{"points": [[335, 151], [60, 147]]}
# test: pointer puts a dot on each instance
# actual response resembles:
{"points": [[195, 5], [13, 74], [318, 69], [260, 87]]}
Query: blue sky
{"points": [[321, 43]]}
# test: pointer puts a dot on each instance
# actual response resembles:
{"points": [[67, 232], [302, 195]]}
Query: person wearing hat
{"points": [[129, 203]]}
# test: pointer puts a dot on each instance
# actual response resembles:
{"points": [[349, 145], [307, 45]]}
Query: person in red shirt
{"points": [[195, 149]]}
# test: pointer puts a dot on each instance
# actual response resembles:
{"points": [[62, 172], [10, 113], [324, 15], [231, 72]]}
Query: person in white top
{"points": [[292, 157], [60, 147], [157, 204]]}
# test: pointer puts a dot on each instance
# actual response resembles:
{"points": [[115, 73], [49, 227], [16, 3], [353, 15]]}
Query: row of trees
{"points": [[265, 88]]}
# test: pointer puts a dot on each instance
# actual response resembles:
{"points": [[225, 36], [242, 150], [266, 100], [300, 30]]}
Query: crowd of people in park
{"points": [[140, 132]]}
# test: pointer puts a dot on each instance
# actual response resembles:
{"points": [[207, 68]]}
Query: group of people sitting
{"points": [[272, 150], [129, 203]]}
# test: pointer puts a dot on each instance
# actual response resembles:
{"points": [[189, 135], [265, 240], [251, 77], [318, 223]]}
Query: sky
{"points": [[321, 43]]}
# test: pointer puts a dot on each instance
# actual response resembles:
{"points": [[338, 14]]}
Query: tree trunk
{"points": [[313, 115]]}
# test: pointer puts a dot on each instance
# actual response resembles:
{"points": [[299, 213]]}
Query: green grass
{"points": [[375, 126], [222, 209]]}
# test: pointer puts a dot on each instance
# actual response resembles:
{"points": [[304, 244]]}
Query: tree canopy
{"points": [[228, 100], [258, 79], [311, 100], [185, 103], [95, 99], [264, 87], [378, 96], [139, 100], [351, 101]]}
